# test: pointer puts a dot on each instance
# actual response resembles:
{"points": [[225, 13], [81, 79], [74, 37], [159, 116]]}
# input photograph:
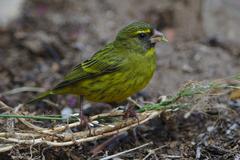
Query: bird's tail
{"points": [[40, 97]]}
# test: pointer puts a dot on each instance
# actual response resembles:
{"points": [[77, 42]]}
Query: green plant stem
{"points": [[31, 117]]}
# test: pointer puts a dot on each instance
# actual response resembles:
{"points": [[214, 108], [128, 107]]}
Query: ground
{"points": [[49, 38]]}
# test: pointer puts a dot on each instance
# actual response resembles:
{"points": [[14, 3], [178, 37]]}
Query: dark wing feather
{"points": [[104, 61]]}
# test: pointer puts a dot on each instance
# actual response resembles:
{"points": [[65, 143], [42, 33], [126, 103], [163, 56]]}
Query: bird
{"points": [[115, 72]]}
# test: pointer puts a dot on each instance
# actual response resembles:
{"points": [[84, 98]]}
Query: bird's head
{"points": [[139, 36]]}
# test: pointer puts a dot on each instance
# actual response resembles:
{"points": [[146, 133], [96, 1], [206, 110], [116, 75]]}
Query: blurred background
{"points": [[42, 40]]}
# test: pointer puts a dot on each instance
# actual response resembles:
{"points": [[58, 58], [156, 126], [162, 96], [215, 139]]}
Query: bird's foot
{"points": [[130, 112], [85, 122]]}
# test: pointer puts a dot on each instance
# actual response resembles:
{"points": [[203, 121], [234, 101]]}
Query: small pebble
{"points": [[210, 128], [66, 112]]}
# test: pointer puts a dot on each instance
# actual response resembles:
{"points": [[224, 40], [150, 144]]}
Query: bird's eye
{"points": [[142, 35]]}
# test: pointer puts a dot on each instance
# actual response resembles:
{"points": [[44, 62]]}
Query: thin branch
{"points": [[134, 102], [22, 89], [153, 151], [6, 147], [5, 107], [127, 151], [165, 156], [20, 135]]}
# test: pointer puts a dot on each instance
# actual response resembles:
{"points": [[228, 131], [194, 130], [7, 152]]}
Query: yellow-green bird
{"points": [[120, 69]]}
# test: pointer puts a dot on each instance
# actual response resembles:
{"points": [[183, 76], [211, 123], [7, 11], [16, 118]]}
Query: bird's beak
{"points": [[158, 37]]}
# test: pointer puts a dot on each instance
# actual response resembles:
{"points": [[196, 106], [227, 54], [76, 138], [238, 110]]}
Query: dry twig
{"points": [[127, 151], [57, 136], [22, 89]]}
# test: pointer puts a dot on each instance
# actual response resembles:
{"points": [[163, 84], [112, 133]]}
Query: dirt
{"points": [[50, 38]]}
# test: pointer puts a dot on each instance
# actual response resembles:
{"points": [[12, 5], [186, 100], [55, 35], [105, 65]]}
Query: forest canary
{"points": [[120, 69]]}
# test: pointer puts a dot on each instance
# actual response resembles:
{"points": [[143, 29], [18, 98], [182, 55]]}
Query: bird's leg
{"points": [[84, 119], [80, 103], [130, 112]]}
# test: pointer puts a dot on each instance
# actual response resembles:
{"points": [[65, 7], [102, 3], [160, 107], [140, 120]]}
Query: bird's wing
{"points": [[102, 62]]}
